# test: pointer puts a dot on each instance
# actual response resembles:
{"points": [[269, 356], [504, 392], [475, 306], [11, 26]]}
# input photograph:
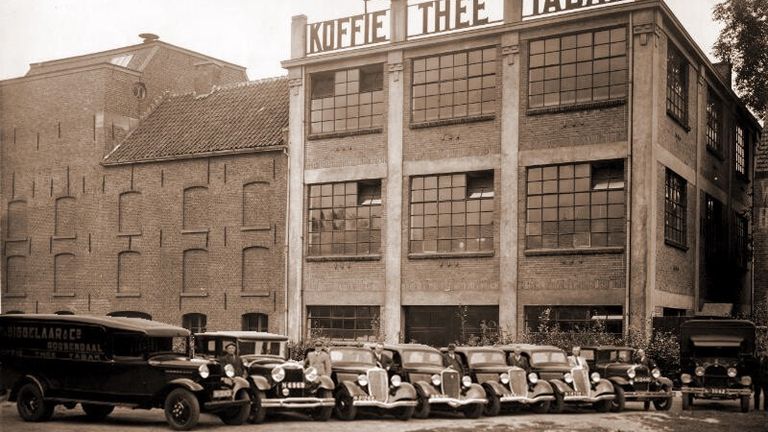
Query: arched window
{"points": [[129, 272], [194, 322], [65, 217], [129, 212], [255, 271], [255, 207], [64, 312], [255, 322], [196, 208], [130, 314], [195, 272], [15, 274], [64, 273], [17, 220]]}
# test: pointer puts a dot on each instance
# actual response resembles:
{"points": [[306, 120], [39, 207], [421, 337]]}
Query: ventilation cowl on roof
{"points": [[149, 37]]}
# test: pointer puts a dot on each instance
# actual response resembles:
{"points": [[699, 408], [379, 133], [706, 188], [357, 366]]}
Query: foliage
{"points": [[744, 42]]}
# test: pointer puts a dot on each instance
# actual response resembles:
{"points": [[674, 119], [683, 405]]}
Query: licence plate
{"points": [[717, 391], [217, 394]]}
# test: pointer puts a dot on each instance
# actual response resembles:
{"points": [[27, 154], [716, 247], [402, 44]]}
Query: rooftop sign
{"points": [[541, 8]]}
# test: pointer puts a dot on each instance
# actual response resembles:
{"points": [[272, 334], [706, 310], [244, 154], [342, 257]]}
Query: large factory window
{"points": [[343, 322], [574, 206], [714, 123], [574, 318], [675, 209], [677, 85], [454, 85], [345, 218], [579, 68], [452, 213], [347, 100], [741, 150]]}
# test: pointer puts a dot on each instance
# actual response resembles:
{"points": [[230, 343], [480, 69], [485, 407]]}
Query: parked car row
{"points": [[103, 362]]}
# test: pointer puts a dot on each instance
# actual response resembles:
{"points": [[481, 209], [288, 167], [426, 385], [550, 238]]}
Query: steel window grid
{"points": [[348, 108], [741, 151], [343, 322], [675, 209], [677, 84], [714, 124]]}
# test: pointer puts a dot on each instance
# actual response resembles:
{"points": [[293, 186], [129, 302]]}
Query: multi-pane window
{"points": [[575, 318], [741, 239], [677, 85], [713, 228], [579, 68], [741, 151], [576, 206], [675, 209], [454, 85], [452, 213], [194, 322], [345, 218], [347, 100], [343, 322], [714, 123], [255, 322]]}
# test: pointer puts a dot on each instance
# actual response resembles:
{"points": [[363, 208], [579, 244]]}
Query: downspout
{"points": [[628, 247], [287, 231]]}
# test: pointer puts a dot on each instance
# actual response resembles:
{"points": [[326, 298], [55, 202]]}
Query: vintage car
{"points": [[571, 385], [276, 382], [631, 381], [505, 387], [437, 387], [102, 362], [717, 360], [361, 384]]}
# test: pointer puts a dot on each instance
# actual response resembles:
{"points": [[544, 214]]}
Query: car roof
{"points": [[244, 335], [403, 346], [531, 347], [606, 347], [138, 325], [474, 348]]}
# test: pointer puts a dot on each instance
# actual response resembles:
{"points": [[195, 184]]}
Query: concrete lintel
{"points": [[615, 150], [348, 173], [463, 164], [674, 300], [358, 298], [464, 298], [706, 186], [672, 162]]}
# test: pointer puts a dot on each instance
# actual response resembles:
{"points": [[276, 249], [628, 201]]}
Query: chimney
{"points": [[725, 70], [207, 75]]}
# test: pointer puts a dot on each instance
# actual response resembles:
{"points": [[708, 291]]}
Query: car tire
{"points": [[182, 409], [664, 404], [618, 402], [257, 413], [556, 406], [493, 407], [323, 413], [238, 415], [687, 401], [422, 405], [97, 412], [404, 413], [31, 405], [745, 404], [345, 408], [474, 411], [603, 406], [542, 407]]}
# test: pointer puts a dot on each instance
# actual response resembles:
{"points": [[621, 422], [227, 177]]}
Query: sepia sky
{"points": [[251, 33]]}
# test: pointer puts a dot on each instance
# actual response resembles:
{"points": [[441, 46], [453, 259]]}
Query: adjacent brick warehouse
{"points": [[146, 181], [593, 163], [760, 221]]}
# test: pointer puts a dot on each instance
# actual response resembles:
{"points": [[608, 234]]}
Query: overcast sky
{"points": [[251, 33]]}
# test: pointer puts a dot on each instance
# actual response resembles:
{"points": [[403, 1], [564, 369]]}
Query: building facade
{"points": [[144, 181], [459, 166]]}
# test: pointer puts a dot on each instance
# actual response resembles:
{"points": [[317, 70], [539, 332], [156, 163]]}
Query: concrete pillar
{"points": [[298, 36], [509, 173], [398, 20], [513, 11], [701, 143]]}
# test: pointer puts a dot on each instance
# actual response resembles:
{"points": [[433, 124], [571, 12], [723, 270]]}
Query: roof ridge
{"points": [[232, 86]]}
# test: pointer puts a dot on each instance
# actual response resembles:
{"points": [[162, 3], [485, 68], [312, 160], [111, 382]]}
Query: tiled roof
{"points": [[238, 117]]}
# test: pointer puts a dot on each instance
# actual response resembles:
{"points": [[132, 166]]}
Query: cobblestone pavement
{"points": [[713, 417]]}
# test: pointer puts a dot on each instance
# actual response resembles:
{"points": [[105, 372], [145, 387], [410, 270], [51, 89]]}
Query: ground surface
{"points": [[707, 417]]}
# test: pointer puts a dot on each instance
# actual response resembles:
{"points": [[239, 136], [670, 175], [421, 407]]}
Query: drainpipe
{"points": [[285, 236], [628, 229]]}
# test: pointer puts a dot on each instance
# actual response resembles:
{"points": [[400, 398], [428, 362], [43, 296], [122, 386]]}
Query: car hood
{"points": [[491, 369], [424, 370]]}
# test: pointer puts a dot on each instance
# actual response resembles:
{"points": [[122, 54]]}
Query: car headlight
{"points": [[699, 371], [203, 371], [311, 374], [466, 381], [229, 370], [568, 377], [533, 378], [686, 378], [362, 379], [732, 372], [656, 373], [436, 380], [504, 378], [278, 374], [631, 373], [746, 380], [396, 380], [595, 377]]}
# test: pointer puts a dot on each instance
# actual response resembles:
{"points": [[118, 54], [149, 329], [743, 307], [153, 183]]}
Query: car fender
{"points": [[619, 381], [542, 388], [41, 384], [495, 387], [352, 388], [475, 391], [185, 383], [665, 381], [260, 382], [406, 391], [603, 387], [240, 383], [560, 386], [325, 382], [426, 388]]}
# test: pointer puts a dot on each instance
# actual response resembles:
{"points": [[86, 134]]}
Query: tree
{"points": [[744, 43]]}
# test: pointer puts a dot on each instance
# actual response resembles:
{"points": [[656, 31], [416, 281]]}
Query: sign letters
{"points": [[348, 32], [538, 8], [446, 15]]}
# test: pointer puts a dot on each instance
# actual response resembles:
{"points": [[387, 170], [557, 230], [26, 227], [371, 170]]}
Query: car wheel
{"points": [[542, 407], [493, 407], [31, 405], [345, 408], [687, 401], [618, 402], [258, 413], [664, 404], [97, 412], [422, 405], [603, 406], [556, 406], [239, 414], [182, 409], [323, 413], [745, 404], [404, 413], [473, 411]]}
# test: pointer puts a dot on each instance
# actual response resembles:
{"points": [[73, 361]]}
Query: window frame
{"points": [[200, 322], [741, 240], [678, 102], [741, 151], [365, 324], [259, 318], [556, 311], [675, 210], [714, 127]]}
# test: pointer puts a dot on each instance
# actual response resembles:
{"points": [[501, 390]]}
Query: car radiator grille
{"points": [[378, 384], [518, 382], [581, 381], [716, 376], [451, 383]]}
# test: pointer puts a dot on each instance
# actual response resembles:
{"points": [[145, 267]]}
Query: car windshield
{"points": [[487, 358], [168, 345], [352, 355], [261, 347], [422, 357], [541, 357], [620, 356], [715, 352]]}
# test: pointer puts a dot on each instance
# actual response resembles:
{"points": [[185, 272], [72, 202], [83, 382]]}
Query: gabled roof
{"points": [[237, 118]]}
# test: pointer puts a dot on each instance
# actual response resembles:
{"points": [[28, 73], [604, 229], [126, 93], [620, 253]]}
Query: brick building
{"points": [[458, 164], [144, 181], [760, 228]]}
